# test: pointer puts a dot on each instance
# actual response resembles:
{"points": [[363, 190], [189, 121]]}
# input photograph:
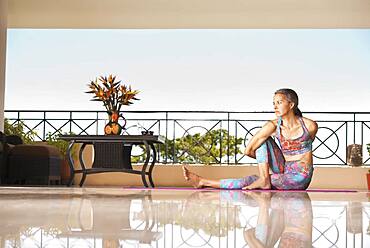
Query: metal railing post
{"points": [[228, 137], [166, 143], [44, 126]]}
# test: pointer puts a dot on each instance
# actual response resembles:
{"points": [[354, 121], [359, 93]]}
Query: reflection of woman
{"points": [[290, 220], [291, 163]]}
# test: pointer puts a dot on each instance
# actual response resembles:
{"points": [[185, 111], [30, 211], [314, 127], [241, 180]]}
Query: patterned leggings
{"points": [[286, 175]]}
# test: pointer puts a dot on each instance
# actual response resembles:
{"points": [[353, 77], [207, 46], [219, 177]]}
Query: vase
{"points": [[113, 127]]}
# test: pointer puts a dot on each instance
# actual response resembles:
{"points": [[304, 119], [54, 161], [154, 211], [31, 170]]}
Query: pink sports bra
{"points": [[296, 146]]}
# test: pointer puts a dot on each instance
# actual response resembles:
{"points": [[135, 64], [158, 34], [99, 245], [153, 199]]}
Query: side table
{"points": [[112, 153]]}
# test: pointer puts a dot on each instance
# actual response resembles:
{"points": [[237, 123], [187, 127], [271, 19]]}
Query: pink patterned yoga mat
{"points": [[256, 190]]}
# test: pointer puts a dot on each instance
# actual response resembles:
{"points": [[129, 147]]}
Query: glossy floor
{"points": [[115, 217]]}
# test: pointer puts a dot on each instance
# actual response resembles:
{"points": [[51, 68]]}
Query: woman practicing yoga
{"points": [[291, 163]]}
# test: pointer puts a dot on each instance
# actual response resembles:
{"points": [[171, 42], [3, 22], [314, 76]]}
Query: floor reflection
{"points": [[109, 219], [290, 220], [141, 218]]}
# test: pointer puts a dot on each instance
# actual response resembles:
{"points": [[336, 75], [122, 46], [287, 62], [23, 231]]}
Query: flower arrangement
{"points": [[113, 95]]}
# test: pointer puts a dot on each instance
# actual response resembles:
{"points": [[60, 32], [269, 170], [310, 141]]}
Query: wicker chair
{"points": [[36, 164]]}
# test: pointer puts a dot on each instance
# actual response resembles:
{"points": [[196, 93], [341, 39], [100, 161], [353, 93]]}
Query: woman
{"points": [[291, 163]]}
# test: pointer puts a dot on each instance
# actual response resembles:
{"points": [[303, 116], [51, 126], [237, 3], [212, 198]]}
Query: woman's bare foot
{"points": [[194, 179], [260, 183], [262, 198]]}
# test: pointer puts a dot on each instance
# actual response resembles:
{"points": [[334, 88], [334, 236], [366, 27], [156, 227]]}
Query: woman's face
{"points": [[282, 105]]}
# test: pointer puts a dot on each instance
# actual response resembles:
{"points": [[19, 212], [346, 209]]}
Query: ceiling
{"points": [[179, 14]]}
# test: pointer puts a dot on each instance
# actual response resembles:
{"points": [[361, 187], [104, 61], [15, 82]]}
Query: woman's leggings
{"points": [[285, 175]]}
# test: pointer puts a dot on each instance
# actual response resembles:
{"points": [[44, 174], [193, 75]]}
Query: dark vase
{"points": [[113, 127]]}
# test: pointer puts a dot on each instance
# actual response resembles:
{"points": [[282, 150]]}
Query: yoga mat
{"points": [[255, 190]]}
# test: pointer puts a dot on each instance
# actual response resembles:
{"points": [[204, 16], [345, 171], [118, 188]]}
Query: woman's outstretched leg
{"points": [[198, 181], [230, 183]]}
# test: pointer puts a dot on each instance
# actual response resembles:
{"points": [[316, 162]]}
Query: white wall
{"points": [[3, 29]]}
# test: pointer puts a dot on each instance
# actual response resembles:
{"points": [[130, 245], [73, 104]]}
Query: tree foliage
{"points": [[19, 128], [211, 147]]}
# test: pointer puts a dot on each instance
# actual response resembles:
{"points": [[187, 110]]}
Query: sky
{"points": [[210, 70]]}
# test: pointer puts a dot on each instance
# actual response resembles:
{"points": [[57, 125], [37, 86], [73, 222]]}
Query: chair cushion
{"points": [[36, 151]]}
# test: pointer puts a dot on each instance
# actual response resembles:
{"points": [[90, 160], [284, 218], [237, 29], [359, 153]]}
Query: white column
{"points": [[3, 30]]}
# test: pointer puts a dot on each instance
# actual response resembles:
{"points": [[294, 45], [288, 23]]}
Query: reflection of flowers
{"points": [[112, 94]]}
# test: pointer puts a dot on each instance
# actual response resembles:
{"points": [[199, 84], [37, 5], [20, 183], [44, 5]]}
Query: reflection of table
{"points": [[111, 218], [112, 153]]}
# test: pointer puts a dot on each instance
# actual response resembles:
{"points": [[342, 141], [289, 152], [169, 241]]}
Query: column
{"points": [[3, 31]]}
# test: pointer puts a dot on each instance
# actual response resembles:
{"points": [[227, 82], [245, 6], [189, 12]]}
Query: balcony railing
{"points": [[212, 137]]}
